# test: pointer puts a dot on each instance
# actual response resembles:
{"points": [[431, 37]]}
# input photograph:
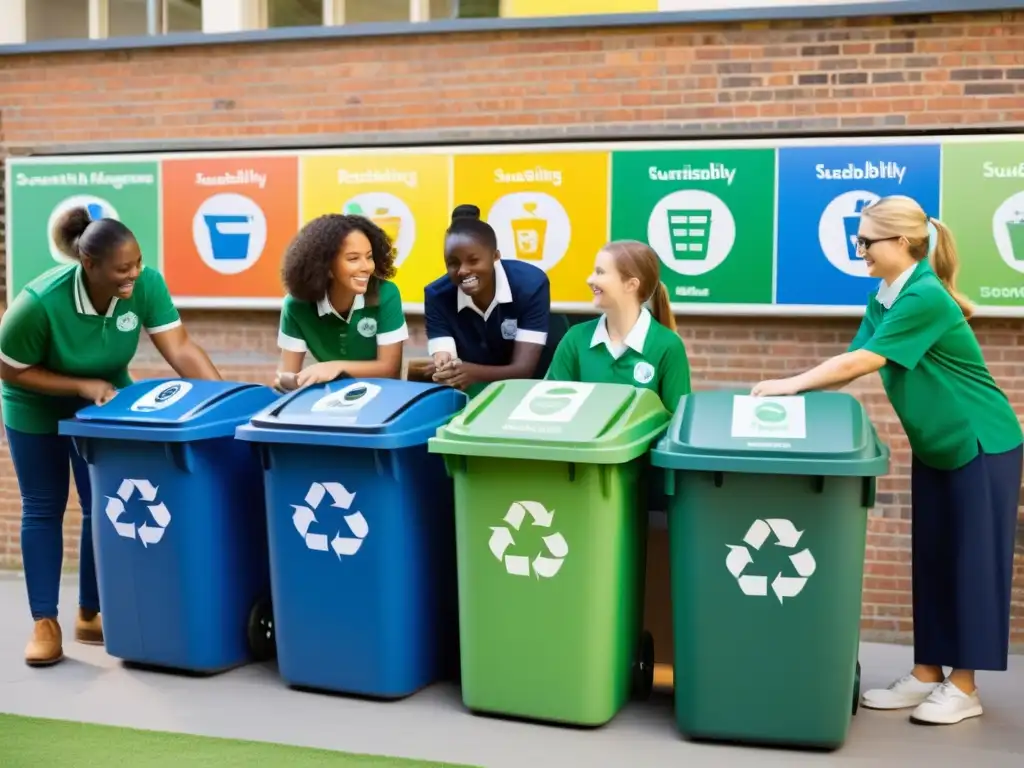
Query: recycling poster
{"points": [[738, 226], [708, 214]]}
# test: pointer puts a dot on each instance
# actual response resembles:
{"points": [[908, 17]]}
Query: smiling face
{"points": [[353, 266], [607, 285], [470, 264], [116, 274], [886, 256]]}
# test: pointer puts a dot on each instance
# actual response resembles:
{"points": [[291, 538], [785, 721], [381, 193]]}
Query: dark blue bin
{"points": [[362, 536], [178, 529]]}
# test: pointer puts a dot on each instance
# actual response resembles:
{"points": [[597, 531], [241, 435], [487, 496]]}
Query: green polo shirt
{"points": [[651, 356], [935, 374], [53, 325], [319, 329]]}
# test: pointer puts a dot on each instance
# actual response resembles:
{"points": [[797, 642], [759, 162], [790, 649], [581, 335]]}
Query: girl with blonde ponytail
{"points": [[967, 458], [629, 343]]}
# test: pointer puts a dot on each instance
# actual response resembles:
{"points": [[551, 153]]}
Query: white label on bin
{"points": [[786, 536], [552, 401], [355, 527], [348, 400], [767, 417], [544, 564], [158, 512], [162, 396]]}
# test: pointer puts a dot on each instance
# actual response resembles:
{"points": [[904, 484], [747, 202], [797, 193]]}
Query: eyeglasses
{"points": [[863, 243]]}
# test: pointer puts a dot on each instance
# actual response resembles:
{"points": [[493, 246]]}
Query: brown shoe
{"points": [[46, 646], [89, 627]]}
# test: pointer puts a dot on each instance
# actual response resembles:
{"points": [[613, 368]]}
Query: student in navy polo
{"points": [[487, 319]]}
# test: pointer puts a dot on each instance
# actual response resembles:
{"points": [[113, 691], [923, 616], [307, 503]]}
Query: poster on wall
{"points": [[740, 227], [983, 203], [547, 209], [37, 194], [227, 222], [406, 195], [822, 190], [708, 214]]}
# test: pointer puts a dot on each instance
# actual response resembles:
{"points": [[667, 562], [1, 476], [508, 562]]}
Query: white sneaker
{"points": [[906, 692], [947, 705]]}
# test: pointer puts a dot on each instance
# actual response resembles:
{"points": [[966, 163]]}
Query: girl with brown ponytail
{"points": [[966, 445], [629, 343]]}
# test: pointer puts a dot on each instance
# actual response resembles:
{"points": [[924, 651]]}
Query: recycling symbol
{"points": [[147, 534], [787, 536], [544, 566], [305, 516]]}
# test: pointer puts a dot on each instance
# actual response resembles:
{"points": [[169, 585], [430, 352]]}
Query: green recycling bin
{"points": [[551, 544], [768, 506]]}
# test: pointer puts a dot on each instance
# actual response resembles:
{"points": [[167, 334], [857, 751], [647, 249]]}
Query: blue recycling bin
{"points": [[178, 529], [229, 236], [360, 523]]}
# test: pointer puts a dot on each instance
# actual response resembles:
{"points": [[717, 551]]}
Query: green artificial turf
{"points": [[30, 742]]}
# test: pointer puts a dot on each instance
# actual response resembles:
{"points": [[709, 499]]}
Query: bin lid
{"points": [[360, 413], [171, 410], [818, 433], [556, 421]]}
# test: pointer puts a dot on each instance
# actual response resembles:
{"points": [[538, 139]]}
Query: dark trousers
{"points": [[43, 464], [964, 527]]}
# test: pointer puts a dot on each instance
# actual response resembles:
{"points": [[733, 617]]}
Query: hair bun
{"points": [[466, 211]]}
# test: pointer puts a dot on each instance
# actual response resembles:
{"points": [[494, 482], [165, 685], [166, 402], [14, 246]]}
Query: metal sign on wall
{"points": [[754, 227]]}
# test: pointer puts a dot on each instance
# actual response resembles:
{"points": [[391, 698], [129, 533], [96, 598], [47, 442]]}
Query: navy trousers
{"points": [[964, 527]]}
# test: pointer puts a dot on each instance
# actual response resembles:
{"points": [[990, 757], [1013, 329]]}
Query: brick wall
{"points": [[788, 77]]}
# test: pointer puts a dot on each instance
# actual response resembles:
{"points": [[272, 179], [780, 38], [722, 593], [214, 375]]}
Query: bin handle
{"points": [[869, 490], [181, 455]]}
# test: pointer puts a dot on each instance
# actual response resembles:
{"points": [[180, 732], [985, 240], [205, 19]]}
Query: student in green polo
{"points": [[628, 344], [66, 341], [341, 306], [966, 445]]}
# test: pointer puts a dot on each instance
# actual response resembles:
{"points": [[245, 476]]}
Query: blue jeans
{"points": [[42, 463]]}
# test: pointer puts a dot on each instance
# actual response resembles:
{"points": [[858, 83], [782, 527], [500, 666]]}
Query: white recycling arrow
{"points": [[146, 533], [544, 565], [341, 498], [787, 536]]}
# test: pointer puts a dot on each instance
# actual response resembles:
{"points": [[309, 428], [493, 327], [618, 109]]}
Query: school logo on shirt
{"points": [[367, 327], [509, 328], [129, 321], [643, 372]]}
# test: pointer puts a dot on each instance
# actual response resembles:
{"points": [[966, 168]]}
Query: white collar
{"points": [[324, 307], [887, 294], [83, 304], [634, 339], [502, 293]]}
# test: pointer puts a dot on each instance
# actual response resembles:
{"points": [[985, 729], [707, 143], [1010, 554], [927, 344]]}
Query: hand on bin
{"points": [[319, 373], [453, 374], [776, 388], [98, 391], [286, 381]]}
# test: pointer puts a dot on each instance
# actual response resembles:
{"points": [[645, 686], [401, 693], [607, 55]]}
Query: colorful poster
{"points": [[227, 222], [549, 209], [822, 190], [406, 195], [708, 214], [983, 203], [40, 192]]}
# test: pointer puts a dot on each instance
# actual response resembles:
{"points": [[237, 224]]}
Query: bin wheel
{"points": [[643, 668], [262, 643], [856, 689]]}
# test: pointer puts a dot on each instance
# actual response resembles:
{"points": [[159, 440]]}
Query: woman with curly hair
{"points": [[341, 306]]}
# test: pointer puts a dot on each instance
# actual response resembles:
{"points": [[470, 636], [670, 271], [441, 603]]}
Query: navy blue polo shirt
{"points": [[519, 312]]}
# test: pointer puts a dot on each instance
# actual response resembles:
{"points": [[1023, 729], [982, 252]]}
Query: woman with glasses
{"points": [[967, 451]]}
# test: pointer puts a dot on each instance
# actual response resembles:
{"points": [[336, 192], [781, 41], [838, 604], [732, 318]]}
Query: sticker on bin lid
{"points": [[347, 400], [769, 417], [162, 396], [548, 401]]}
